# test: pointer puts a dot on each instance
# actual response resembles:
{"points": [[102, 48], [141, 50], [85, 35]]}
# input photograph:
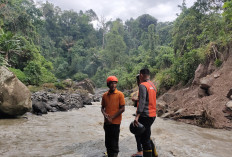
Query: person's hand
{"points": [[106, 115], [136, 122], [110, 119]]}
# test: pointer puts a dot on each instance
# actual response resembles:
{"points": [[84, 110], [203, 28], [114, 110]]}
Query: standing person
{"points": [[146, 111], [113, 105], [137, 137]]}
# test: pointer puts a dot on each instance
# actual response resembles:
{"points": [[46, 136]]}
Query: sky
{"points": [[163, 10]]}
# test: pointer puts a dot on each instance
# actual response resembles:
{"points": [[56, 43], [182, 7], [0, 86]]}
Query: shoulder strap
{"points": [[152, 85]]}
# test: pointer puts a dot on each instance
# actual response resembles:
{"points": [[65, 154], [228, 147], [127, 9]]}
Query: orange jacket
{"points": [[149, 108]]}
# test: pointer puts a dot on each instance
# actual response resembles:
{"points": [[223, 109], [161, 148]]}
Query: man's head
{"points": [[144, 74], [112, 82]]}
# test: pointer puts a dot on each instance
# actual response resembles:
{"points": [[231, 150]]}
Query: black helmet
{"points": [[137, 130]]}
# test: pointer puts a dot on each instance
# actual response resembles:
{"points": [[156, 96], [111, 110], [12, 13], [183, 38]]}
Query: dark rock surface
{"points": [[43, 102]]}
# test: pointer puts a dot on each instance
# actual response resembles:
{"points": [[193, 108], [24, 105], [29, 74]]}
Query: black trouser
{"points": [[112, 137], [146, 135], [139, 144]]}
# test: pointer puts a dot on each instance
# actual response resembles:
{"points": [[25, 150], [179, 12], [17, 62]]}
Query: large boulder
{"points": [[199, 73], [86, 84], [15, 97], [206, 82]]}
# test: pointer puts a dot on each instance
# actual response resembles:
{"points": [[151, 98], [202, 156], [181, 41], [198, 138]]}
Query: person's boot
{"points": [[112, 154], [154, 152], [147, 153]]}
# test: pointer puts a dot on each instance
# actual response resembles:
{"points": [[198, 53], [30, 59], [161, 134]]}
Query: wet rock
{"points": [[74, 101], [39, 107], [169, 98], [48, 102], [15, 97], [87, 99]]}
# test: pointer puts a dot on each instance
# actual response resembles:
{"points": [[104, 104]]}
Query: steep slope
{"points": [[206, 102]]}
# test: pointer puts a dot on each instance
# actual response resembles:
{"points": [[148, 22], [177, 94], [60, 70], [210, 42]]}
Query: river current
{"points": [[79, 133]]}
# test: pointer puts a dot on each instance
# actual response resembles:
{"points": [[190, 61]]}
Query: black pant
{"points": [[139, 144], [146, 135], [112, 137]]}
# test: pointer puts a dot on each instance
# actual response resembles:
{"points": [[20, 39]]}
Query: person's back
{"points": [[146, 111]]}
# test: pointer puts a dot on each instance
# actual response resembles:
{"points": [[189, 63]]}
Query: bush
{"points": [[2, 61], [47, 76], [218, 63], [165, 79], [20, 75], [59, 85], [33, 72], [79, 76], [184, 67]]}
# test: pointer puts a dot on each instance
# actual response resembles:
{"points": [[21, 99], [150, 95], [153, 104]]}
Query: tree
{"points": [[9, 44]]}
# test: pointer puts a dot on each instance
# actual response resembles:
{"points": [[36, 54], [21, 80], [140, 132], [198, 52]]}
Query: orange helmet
{"points": [[112, 79]]}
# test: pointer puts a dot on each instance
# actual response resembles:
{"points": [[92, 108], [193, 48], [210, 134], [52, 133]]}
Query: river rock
{"points": [[15, 97], [87, 99], [39, 107], [98, 94], [86, 84], [44, 102]]}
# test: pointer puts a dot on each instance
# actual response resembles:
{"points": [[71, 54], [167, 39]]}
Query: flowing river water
{"points": [[79, 133]]}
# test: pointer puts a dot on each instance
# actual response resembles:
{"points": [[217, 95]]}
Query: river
{"points": [[79, 133]]}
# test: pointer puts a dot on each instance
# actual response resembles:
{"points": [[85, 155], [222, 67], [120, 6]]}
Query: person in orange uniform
{"points": [[146, 111], [113, 105]]}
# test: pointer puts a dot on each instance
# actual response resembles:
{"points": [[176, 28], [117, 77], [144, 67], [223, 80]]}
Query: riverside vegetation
{"points": [[43, 44]]}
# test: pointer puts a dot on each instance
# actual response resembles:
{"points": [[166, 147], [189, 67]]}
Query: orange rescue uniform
{"points": [[112, 103]]}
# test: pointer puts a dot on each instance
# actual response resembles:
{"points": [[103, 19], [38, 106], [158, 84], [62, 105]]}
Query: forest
{"points": [[41, 43]]}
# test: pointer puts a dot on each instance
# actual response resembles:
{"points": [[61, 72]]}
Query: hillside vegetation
{"points": [[44, 44]]}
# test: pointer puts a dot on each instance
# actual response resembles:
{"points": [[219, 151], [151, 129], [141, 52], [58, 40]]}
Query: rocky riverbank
{"points": [[43, 101]]}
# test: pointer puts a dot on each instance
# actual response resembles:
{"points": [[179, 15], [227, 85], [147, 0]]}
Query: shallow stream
{"points": [[79, 133]]}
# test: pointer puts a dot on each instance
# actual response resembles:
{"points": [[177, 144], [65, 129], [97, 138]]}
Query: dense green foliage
{"points": [[42, 43]]}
